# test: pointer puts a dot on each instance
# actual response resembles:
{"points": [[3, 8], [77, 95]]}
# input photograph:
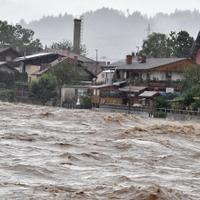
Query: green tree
{"points": [[67, 73], [183, 44], [19, 38], [191, 88], [64, 45], [67, 45], [156, 46], [45, 88], [191, 78], [159, 45]]}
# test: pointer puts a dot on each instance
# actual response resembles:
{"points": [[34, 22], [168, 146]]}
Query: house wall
{"points": [[100, 78], [144, 76], [105, 78], [154, 75], [67, 94], [160, 76], [70, 94], [177, 76], [198, 57], [30, 69], [33, 78]]}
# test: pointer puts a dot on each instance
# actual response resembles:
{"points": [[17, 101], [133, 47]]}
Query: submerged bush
{"points": [[160, 114], [87, 102], [7, 95], [44, 89]]}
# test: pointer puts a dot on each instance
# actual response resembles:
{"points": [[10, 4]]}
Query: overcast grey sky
{"points": [[14, 10]]}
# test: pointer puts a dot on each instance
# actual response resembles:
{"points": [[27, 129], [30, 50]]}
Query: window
{"points": [[118, 74], [148, 76], [81, 92], [169, 75]]}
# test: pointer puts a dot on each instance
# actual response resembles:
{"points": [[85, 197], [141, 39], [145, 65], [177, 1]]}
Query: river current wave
{"points": [[55, 153]]}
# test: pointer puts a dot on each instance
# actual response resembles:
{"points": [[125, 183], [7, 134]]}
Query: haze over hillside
{"points": [[112, 32]]}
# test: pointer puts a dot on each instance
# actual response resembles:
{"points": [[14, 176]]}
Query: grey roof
{"points": [[147, 94], [150, 63], [38, 55], [119, 83], [134, 89], [70, 54], [100, 86]]}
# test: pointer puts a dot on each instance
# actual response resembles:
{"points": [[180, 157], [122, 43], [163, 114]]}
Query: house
{"points": [[76, 77], [37, 62], [73, 94], [105, 94], [156, 73], [147, 98], [72, 68], [8, 54], [93, 66], [130, 94], [195, 54]]}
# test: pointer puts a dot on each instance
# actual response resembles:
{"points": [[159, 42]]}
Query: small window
{"points": [[148, 76], [118, 74], [169, 75]]}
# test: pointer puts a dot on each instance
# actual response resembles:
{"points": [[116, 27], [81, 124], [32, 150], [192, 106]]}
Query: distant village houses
{"points": [[135, 80], [139, 79]]}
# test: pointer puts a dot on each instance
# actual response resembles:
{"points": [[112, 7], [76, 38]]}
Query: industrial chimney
{"points": [[77, 35], [129, 59]]}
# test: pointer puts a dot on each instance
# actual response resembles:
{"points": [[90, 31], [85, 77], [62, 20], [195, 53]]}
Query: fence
{"points": [[147, 110]]}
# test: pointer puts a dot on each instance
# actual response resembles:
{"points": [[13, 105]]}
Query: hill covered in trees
{"points": [[112, 32]]}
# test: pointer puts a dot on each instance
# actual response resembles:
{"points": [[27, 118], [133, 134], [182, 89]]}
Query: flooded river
{"points": [[53, 153]]}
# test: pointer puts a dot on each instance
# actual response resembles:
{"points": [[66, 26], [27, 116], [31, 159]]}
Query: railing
{"points": [[146, 109], [176, 111]]}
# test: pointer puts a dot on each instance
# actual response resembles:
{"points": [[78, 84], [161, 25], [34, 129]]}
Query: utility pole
{"points": [[138, 49], [148, 30], [96, 50]]}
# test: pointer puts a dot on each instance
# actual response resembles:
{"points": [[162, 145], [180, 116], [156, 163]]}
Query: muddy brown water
{"points": [[54, 153]]}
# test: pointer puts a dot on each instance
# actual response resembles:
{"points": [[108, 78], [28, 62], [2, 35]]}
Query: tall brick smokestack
{"points": [[77, 35]]}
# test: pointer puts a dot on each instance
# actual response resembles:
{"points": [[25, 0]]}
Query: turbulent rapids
{"points": [[53, 153]]}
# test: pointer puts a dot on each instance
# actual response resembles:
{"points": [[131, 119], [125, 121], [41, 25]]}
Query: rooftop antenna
{"points": [[97, 51], [97, 54], [148, 30]]}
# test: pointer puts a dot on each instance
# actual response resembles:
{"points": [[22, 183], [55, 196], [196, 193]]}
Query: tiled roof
{"points": [[70, 54], [150, 63]]}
